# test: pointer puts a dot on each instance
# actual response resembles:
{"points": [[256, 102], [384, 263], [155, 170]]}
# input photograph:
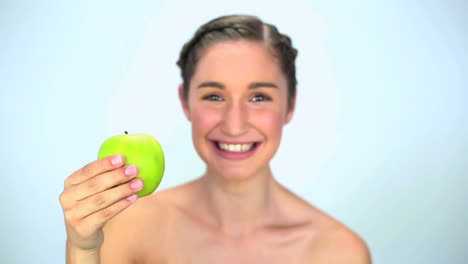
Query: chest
{"points": [[190, 244]]}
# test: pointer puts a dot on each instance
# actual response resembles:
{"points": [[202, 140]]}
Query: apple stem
{"points": [[126, 132]]}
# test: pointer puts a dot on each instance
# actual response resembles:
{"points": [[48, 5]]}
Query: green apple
{"points": [[141, 150]]}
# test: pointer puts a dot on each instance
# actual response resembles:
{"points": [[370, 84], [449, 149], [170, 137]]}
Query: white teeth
{"points": [[235, 147]]}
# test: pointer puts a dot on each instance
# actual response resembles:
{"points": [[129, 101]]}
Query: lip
{"points": [[235, 142], [235, 155]]}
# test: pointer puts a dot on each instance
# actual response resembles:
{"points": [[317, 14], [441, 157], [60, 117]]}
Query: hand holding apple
{"points": [[90, 199], [141, 150], [97, 192]]}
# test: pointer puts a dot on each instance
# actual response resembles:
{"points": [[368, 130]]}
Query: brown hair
{"points": [[237, 27]]}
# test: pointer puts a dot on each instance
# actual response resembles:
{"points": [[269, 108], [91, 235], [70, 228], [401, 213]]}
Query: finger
{"points": [[97, 220], [103, 182], [94, 168], [105, 199]]}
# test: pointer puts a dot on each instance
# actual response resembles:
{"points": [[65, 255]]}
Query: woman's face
{"points": [[237, 104]]}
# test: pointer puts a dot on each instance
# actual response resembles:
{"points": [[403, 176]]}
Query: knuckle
{"points": [[87, 169], [66, 182], [62, 199], [70, 218], [65, 201], [106, 213], [70, 180], [92, 185], [98, 200]]}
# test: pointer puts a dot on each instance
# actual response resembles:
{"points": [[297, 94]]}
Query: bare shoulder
{"points": [[329, 240], [334, 242], [340, 244]]}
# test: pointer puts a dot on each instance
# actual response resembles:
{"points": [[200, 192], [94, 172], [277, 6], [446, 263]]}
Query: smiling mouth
{"points": [[238, 148]]}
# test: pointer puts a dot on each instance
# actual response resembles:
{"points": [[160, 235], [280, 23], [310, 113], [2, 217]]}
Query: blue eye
{"points": [[260, 98], [212, 97]]}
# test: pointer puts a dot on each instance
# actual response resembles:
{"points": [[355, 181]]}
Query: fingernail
{"points": [[137, 184], [116, 160], [131, 170], [132, 197]]}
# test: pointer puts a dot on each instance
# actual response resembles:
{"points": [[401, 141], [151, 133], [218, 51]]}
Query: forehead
{"points": [[238, 62]]}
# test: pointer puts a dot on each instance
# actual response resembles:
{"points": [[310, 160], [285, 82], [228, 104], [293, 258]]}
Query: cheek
{"points": [[203, 119], [269, 122]]}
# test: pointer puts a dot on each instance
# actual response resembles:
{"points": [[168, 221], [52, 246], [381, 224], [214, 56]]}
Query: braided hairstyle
{"points": [[239, 27]]}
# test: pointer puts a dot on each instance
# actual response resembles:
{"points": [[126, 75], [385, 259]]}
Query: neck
{"points": [[238, 204]]}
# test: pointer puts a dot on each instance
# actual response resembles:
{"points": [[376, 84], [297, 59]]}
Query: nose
{"points": [[235, 120]]}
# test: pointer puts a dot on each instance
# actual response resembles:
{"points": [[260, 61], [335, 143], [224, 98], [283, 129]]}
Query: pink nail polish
{"points": [[116, 160], [132, 197], [131, 170], [137, 184]]}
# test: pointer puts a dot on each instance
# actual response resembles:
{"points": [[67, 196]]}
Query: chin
{"points": [[233, 175]]}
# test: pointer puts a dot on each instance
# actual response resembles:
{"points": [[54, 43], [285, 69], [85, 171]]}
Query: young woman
{"points": [[238, 91]]}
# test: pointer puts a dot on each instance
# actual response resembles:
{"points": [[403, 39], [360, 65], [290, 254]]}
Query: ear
{"points": [[290, 113], [184, 102]]}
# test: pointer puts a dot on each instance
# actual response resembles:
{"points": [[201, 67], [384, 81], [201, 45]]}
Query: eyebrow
{"points": [[253, 85]]}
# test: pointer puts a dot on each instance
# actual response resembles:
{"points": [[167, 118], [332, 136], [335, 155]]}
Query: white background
{"points": [[379, 139]]}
